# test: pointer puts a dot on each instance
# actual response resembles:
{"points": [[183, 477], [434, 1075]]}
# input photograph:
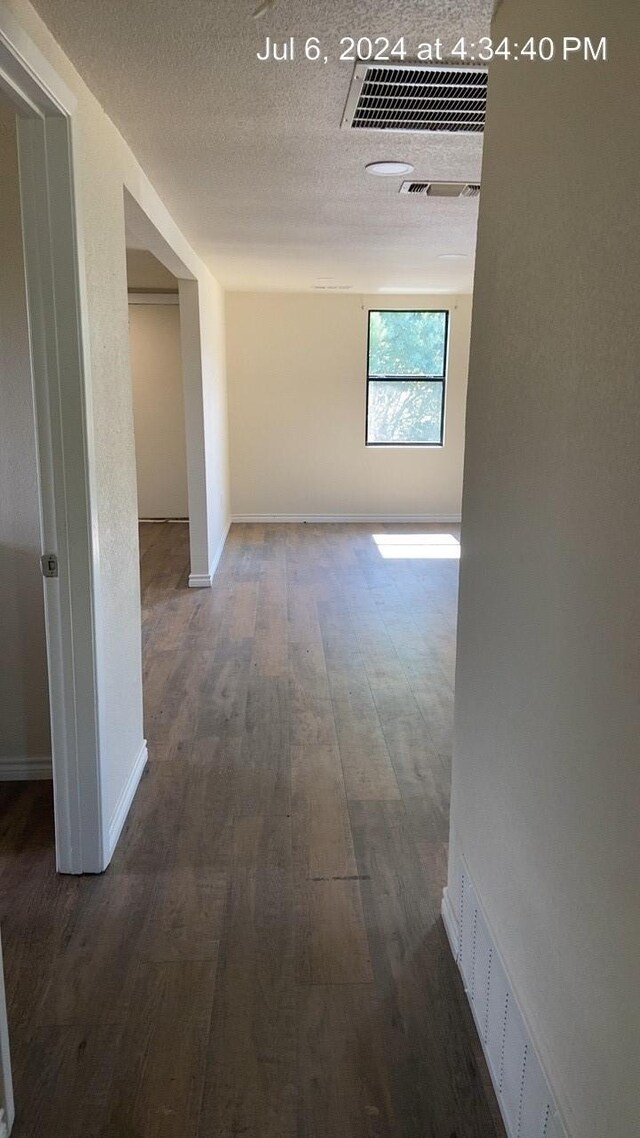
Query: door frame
{"points": [[59, 340], [7, 1108], [141, 228]]}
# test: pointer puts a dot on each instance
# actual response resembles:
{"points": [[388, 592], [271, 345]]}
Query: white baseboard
{"points": [[126, 798], [205, 580], [24, 768], [527, 1104], [200, 580], [390, 519]]}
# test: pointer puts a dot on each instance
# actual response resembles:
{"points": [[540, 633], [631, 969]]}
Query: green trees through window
{"points": [[406, 378]]}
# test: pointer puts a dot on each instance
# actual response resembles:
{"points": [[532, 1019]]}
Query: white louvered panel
{"points": [[480, 985], [515, 1063], [553, 1128], [524, 1096], [497, 1011], [469, 910], [535, 1100]]}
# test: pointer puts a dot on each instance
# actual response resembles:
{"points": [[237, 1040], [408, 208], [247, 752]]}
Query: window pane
{"points": [[407, 343], [407, 411]]}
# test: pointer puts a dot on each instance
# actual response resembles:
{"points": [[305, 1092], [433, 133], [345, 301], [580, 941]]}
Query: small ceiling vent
{"points": [[417, 97], [442, 189]]}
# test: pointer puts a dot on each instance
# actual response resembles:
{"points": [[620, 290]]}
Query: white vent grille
{"points": [[417, 98], [442, 189], [524, 1095]]}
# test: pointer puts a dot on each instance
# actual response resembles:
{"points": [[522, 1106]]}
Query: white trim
{"points": [[219, 551], [126, 798], [523, 1089], [390, 519], [154, 298], [24, 768], [26, 74], [450, 923], [60, 367], [193, 386], [205, 580], [200, 580], [6, 1084], [148, 226]]}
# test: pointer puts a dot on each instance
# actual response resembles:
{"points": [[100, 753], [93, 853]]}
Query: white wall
{"points": [[297, 391], [546, 773], [104, 165], [158, 410], [24, 697]]}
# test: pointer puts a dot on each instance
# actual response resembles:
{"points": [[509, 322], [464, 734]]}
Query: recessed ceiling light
{"points": [[453, 256], [389, 169]]}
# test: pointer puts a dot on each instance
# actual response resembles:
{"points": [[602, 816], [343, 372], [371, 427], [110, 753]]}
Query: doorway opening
{"points": [[49, 713], [25, 734], [168, 415], [157, 384], [48, 689], [167, 393]]}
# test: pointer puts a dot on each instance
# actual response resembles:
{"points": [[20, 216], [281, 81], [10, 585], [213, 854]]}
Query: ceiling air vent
{"points": [[442, 189], [417, 97]]}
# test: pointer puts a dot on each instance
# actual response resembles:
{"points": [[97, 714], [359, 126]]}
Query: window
{"points": [[407, 355]]}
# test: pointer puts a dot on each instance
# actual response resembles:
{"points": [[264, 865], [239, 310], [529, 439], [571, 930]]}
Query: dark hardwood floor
{"points": [[265, 956]]}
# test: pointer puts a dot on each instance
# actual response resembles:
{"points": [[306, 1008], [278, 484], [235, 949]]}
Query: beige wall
{"points": [[158, 410], [297, 390], [145, 273], [546, 780], [24, 698], [104, 165]]}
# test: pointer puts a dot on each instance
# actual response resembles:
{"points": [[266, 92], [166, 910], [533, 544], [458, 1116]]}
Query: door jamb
{"points": [[60, 370], [7, 1108]]}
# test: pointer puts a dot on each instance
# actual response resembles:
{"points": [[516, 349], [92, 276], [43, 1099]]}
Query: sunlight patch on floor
{"points": [[418, 546]]}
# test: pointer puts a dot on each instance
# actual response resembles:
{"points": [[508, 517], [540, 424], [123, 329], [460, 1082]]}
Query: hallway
{"points": [[265, 956]]}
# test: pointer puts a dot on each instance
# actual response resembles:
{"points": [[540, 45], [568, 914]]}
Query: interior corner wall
{"points": [[24, 697], [158, 410], [297, 402], [145, 273], [104, 166], [546, 777]]}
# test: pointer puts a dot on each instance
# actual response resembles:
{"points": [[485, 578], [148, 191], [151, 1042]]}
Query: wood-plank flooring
{"points": [[265, 956]]}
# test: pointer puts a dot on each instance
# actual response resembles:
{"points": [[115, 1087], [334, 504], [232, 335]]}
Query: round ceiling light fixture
{"points": [[389, 169], [453, 256]]}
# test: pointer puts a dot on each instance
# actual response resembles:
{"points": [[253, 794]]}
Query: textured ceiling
{"points": [[249, 156]]}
